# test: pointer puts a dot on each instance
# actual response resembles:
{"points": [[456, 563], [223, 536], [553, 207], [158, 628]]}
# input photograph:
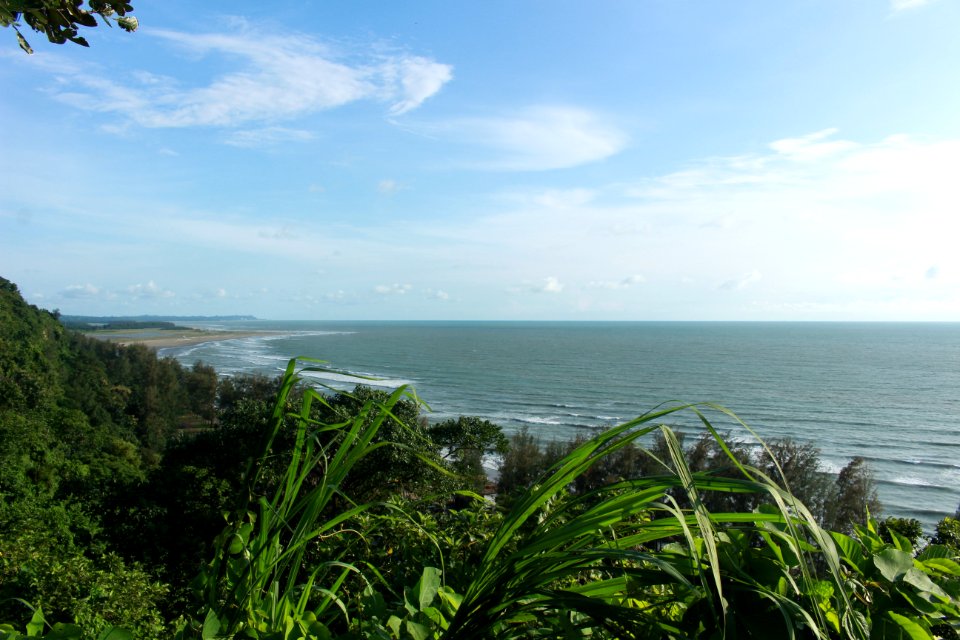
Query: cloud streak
{"points": [[271, 78], [536, 138]]}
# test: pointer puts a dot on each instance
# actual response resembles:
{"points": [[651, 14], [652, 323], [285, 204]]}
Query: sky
{"points": [[503, 160]]}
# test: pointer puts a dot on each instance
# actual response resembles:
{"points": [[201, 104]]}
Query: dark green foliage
{"points": [[52, 556], [524, 462], [118, 325], [71, 587], [855, 497], [909, 528], [393, 469], [82, 424], [112, 461], [948, 533], [61, 20], [834, 503], [464, 442], [29, 340]]}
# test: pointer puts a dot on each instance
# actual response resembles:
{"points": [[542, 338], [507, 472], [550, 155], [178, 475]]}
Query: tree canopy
{"points": [[61, 20]]}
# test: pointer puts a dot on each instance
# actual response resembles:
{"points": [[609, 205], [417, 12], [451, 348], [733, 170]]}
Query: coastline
{"points": [[172, 338]]}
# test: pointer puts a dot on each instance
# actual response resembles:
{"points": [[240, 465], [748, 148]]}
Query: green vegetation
{"points": [[142, 499], [60, 20], [121, 325]]}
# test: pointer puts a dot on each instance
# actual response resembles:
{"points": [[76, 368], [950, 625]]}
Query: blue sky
{"points": [[656, 160]]}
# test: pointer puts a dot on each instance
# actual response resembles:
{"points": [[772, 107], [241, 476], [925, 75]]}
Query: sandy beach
{"points": [[170, 338]]}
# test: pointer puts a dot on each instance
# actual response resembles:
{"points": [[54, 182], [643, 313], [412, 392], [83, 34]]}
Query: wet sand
{"points": [[171, 338]]}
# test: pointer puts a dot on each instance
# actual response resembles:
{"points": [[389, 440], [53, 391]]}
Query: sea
{"points": [[887, 392]]}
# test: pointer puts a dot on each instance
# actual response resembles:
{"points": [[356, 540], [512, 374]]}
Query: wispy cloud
{"points": [[149, 290], [395, 289], [437, 294], [903, 5], [813, 146], [624, 283], [550, 285], [388, 186], [80, 291], [266, 137], [413, 79], [271, 78], [534, 139], [742, 282]]}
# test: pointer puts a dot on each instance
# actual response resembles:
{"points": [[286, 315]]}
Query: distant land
{"points": [[156, 332], [147, 318]]}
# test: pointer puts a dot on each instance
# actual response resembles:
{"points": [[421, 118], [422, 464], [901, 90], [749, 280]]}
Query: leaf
{"points": [[35, 626], [211, 626], [320, 631], [936, 551], [428, 586], [912, 629], [850, 550], [393, 622], [115, 633], [893, 564], [943, 565], [922, 581], [128, 23], [236, 544], [418, 631], [23, 43], [61, 631]]}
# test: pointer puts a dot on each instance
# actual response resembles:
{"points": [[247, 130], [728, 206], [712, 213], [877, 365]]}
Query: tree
{"points": [[523, 463], [948, 532], [395, 466], [856, 496], [465, 441], [60, 20]]}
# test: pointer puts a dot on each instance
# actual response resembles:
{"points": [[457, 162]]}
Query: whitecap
{"points": [[539, 420], [355, 379]]}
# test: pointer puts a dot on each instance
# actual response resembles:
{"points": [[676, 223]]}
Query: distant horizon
{"points": [[249, 318], [750, 161]]}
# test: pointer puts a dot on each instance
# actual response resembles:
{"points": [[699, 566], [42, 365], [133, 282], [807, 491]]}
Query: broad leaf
{"points": [[893, 564]]}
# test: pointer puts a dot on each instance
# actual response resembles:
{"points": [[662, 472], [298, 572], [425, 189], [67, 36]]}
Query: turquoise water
{"points": [[886, 392]]}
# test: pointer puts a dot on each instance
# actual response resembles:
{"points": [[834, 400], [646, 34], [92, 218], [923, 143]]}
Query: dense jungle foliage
{"points": [[143, 499]]}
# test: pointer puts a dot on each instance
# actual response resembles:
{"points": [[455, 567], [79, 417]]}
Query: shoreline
{"points": [[178, 338]]}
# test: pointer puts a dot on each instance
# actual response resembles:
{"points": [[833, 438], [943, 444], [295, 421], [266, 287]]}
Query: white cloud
{"points": [[624, 283], [551, 285], [903, 5], [283, 233], [271, 78], [743, 281], [80, 291], [392, 289], [388, 186], [266, 137], [438, 294], [149, 290], [813, 146], [536, 139], [414, 79]]}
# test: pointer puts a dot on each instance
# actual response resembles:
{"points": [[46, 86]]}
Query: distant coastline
{"points": [[167, 338]]}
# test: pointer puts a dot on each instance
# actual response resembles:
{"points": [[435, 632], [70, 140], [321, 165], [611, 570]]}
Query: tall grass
{"points": [[637, 558]]}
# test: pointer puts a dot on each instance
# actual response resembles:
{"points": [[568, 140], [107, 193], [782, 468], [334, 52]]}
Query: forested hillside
{"points": [[139, 494], [82, 424]]}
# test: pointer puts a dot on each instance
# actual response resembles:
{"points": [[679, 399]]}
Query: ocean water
{"points": [[887, 392]]}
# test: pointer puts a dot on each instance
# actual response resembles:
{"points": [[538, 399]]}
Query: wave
{"points": [[538, 420], [913, 481], [356, 378]]}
